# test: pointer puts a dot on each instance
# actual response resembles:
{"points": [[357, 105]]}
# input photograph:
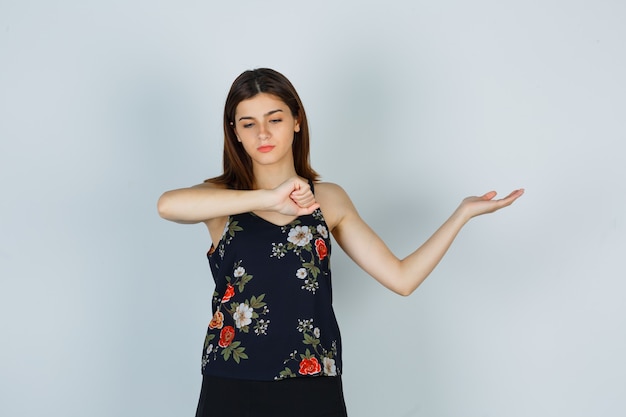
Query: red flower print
{"points": [[320, 248], [226, 336], [228, 294], [309, 366], [217, 321]]}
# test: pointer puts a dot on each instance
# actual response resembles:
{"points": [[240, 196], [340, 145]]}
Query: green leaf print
{"points": [[239, 354], [244, 280], [231, 349], [233, 227], [257, 302], [287, 373], [312, 268], [310, 340], [208, 339]]}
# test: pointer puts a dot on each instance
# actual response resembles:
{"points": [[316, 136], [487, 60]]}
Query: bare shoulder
{"points": [[334, 202], [328, 188], [327, 193]]}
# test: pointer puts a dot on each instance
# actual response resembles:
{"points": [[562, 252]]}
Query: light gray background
{"points": [[413, 105]]}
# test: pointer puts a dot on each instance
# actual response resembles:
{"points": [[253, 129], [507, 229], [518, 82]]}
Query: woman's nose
{"points": [[263, 132]]}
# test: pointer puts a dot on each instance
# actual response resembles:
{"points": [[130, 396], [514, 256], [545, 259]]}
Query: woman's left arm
{"points": [[369, 251]]}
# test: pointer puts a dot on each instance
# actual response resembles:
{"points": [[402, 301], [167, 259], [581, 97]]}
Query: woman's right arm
{"points": [[208, 201]]}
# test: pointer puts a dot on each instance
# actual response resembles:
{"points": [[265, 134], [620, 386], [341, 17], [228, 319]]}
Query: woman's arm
{"points": [[208, 201], [368, 250]]}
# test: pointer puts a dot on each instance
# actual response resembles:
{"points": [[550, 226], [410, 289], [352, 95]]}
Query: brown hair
{"points": [[237, 164]]}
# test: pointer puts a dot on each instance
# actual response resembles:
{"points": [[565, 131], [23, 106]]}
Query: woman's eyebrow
{"points": [[269, 113]]}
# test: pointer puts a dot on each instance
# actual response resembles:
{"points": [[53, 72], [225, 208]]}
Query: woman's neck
{"points": [[270, 177]]}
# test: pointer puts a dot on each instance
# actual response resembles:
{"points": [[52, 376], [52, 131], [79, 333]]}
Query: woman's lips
{"points": [[265, 149]]}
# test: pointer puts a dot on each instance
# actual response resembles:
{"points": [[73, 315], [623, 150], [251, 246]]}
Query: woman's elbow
{"points": [[406, 287], [164, 206], [404, 292], [400, 289]]}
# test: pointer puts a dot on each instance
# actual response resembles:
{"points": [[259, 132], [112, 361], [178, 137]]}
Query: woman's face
{"points": [[265, 127]]}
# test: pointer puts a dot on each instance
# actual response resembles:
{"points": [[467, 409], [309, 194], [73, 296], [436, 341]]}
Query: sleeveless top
{"points": [[272, 305]]}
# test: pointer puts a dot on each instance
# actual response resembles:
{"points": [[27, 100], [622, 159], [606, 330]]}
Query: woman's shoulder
{"points": [[334, 202], [329, 190], [328, 187]]}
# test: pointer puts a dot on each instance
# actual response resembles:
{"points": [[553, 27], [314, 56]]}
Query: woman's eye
{"points": [[248, 125], [276, 120]]}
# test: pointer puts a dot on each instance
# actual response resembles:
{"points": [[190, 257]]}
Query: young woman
{"points": [[273, 346]]}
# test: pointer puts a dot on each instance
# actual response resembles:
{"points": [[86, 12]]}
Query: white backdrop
{"points": [[413, 105]]}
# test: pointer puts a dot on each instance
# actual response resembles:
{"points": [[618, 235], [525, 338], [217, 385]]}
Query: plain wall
{"points": [[413, 105]]}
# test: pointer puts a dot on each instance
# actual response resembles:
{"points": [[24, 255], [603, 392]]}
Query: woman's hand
{"points": [[294, 198], [475, 206]]}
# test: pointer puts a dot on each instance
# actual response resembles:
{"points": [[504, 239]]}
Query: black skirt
{"points": [[302, 397]]}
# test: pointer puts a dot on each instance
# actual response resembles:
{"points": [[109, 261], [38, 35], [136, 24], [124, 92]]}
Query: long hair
{"points": [[237, 164]]}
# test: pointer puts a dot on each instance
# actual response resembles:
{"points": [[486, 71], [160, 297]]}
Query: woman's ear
{"points": [[296, 127]]}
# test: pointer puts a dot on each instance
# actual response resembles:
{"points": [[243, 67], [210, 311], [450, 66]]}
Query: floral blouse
{"points": [[272, 305]]}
